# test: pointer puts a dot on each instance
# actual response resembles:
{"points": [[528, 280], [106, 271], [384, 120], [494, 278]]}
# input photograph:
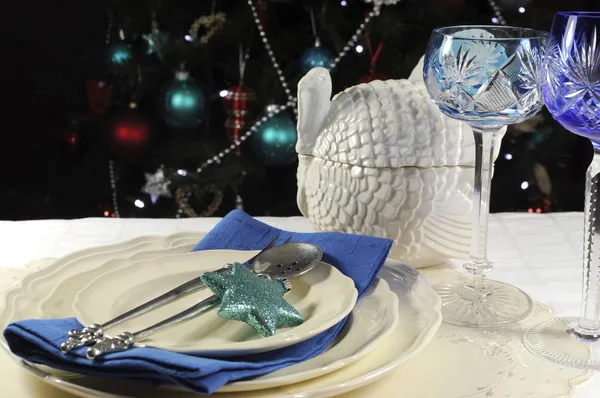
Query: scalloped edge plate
{"points": [[420, 311]]}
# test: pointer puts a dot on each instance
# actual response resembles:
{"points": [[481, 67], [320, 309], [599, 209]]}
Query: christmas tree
{"points": [[187, 108]]}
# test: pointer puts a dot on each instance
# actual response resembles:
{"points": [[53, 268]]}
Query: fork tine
{"points": [[272, 243], [287, 240], [267, 247]]}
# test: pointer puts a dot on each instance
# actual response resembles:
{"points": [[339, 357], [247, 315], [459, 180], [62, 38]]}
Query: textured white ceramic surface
{"points": [[380, 159], [540, 254]]}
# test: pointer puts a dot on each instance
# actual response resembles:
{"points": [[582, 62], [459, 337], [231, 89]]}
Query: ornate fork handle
{"points": [[79, 338], [89, 334], [126, 340]]}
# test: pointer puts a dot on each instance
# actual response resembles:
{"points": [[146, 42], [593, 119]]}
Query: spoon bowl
{"points": [[288, 260]]}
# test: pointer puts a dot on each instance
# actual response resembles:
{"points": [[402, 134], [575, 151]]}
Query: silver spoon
{"points": [[281, 262], [88, 335]]}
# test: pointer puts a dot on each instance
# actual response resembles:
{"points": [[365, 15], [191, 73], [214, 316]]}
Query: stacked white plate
{"points": [[397, 317]]}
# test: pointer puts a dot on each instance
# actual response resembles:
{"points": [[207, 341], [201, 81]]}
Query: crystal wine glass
{"points": [[488, 77], [571, 90]]}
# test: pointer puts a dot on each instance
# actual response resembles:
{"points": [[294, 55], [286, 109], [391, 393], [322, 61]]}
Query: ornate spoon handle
{"points": [[125, 340]]}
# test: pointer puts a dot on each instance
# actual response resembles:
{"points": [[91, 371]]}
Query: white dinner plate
{"points": [[324, 296], [55, 285], [372, 319]]}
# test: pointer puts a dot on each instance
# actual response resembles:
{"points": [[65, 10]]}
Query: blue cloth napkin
{"points": [[358, 257]]}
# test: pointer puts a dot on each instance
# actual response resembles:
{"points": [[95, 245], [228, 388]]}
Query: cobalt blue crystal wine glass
{"points": [[488, 77], [571, 90]]}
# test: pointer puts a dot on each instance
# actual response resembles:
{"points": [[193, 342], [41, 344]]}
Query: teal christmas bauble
{"points": [[274, 142], [183, 102], [316, 56], [119, 53]]}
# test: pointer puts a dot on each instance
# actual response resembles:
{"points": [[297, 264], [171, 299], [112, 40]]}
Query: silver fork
{"points": [[88, 335]]}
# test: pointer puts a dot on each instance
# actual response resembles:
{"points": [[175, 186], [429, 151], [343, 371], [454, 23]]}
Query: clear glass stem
{"points": [[589, 325], [475, 301], [477, 265]]}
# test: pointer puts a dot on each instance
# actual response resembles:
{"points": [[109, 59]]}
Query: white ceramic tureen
{"points": [[381, 159]]}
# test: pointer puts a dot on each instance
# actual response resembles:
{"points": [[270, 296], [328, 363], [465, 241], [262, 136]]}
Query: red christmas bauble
{"points": [[240, 105], [129, 134], [99, 94]]}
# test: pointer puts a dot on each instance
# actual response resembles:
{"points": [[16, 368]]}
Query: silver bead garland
{"points": [[109, 28], [113, 187], [497, 12], [232, 147], [111, 163], [291, 99], [263, 37], [373, 13]]}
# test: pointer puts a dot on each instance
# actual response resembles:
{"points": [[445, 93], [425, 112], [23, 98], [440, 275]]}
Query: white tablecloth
{"points": [[541, 254]]}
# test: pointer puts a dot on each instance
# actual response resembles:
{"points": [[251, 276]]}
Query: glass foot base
{"points": [[497, 304], [556, 341]]}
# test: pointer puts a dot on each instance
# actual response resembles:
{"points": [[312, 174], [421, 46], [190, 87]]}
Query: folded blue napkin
{"points": [[358, 257]]}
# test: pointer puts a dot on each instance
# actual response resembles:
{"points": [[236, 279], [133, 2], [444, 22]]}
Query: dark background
{"points": [[49, 49]]}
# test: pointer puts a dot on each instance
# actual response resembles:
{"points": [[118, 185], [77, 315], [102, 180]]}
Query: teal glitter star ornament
{"points": [[250, 298]]}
